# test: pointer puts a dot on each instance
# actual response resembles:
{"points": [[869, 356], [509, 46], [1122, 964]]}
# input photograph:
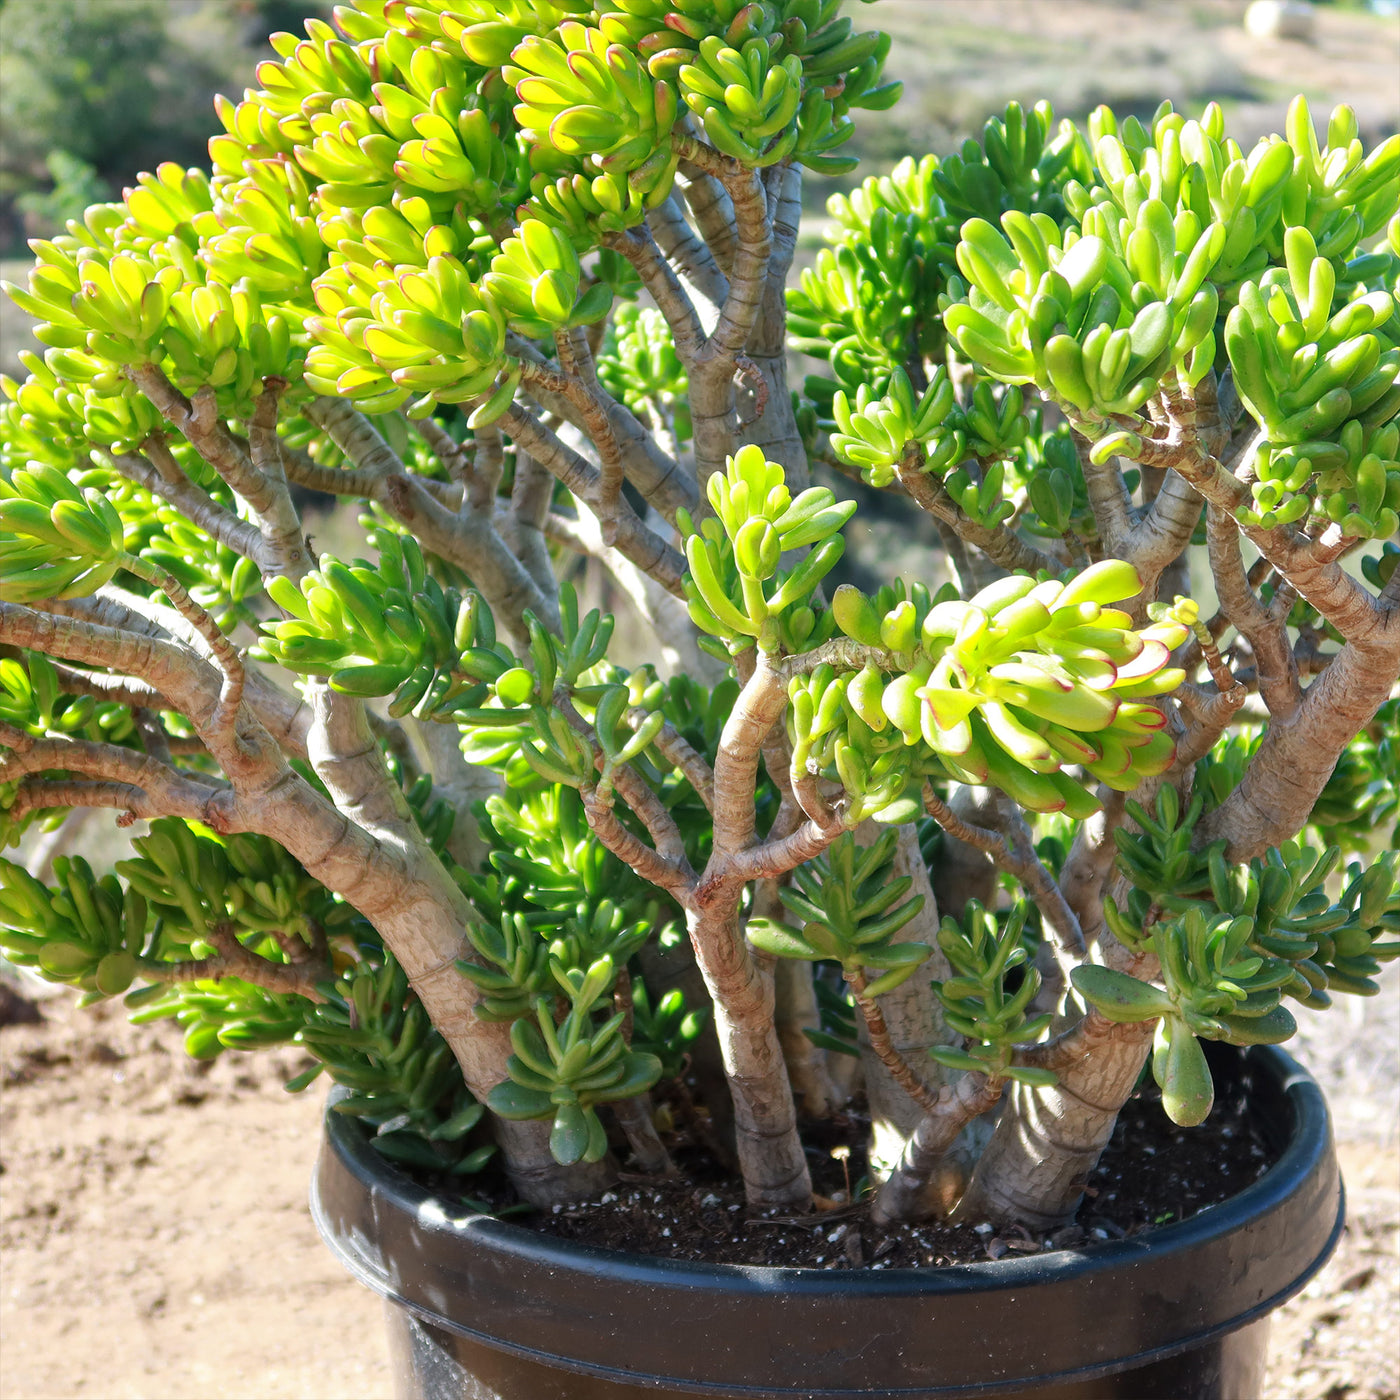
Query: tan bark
{"points": [[765, 1119], [1089, 861], [687, 252], [1034, 1169], [537, 1177], [712, 395], [253, 469], [599, 489], [1276, 671], [1010, 847], [1297, 756], [285, 716], [794, 992], [775, 428], [927, 1179], [380, 863]]}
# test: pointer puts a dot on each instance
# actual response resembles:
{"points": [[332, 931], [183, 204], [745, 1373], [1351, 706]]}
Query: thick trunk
{"points": [[928, 1179], [1157, 543], [421, 915], [537, 1177], [418, 910], [714, 420], [775, 430], [765, 1120], [1047, 1141], [1034, 1169], [1287, 774], [1175, 580], [405, 892]]}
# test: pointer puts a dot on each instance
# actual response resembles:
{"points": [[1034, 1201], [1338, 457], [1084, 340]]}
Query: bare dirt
{"points": [[155, 1240], [1340, 1338], [963, 60]]}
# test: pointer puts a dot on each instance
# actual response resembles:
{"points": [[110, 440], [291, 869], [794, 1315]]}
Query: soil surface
{"points": [[1152, 1173], [156, 1241]]}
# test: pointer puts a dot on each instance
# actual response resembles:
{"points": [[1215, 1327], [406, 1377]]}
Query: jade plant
{"points": [[497, 299]]}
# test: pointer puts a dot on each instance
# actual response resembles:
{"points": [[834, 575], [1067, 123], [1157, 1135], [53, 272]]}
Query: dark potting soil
{"points": [[1152, 1173]]}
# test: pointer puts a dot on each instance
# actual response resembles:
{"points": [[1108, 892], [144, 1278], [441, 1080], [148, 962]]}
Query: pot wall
{"points": [[430, 1363], [487, 1310]]}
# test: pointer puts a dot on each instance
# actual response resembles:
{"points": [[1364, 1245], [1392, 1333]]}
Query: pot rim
{"points": [[525, 1287]]}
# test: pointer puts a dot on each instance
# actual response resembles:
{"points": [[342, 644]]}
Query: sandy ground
{"points": [[155, 1242], [961, 59], [1340, 1338]]}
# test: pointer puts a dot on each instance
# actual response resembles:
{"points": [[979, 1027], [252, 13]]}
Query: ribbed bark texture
{"points": [[765, 1120], [1034, 1169]]}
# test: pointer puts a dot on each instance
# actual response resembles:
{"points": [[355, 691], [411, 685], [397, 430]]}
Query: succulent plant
{"points": [[506, 274]]}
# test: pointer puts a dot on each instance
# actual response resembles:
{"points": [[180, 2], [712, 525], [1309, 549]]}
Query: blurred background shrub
{"points": [[92, 91]]}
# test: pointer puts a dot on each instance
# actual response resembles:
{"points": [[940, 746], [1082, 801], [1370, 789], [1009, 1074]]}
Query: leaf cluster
{"points": [[563, 1069], [1010, 687], [851, 912], [983, 953]]}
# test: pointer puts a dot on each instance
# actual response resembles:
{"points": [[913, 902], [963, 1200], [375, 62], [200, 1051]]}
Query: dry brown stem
{"points": [[232, 959], [880, 1043], [1002, 546], [1011, 850]]}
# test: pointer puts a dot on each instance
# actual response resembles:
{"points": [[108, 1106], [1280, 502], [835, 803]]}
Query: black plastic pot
{"points": [[480, 1309]]}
